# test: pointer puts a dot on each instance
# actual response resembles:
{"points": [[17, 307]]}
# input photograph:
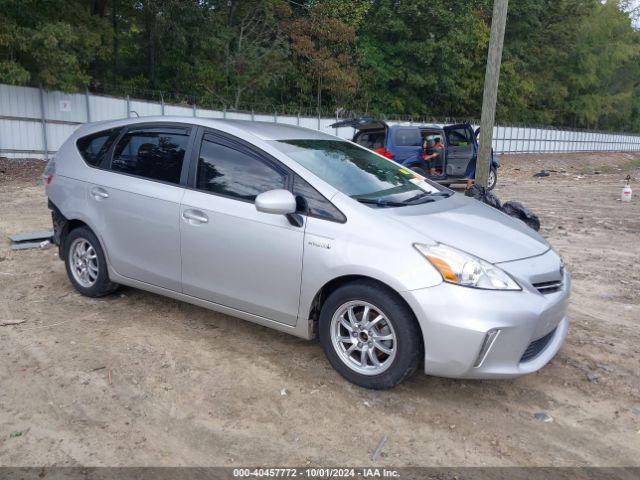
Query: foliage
{"points": [[50, 43], [322, 46], [565, 62]]}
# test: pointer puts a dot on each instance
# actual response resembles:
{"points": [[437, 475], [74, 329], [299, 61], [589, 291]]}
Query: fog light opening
{"points": [[489, 339]]}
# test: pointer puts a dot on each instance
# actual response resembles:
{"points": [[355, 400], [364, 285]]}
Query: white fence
{"points": [[34, 123]]}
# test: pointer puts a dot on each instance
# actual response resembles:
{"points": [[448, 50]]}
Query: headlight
{"points": [[464, 269]]}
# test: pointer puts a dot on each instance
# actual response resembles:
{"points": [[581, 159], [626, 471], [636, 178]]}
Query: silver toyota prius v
{"points": [[312, 235]]}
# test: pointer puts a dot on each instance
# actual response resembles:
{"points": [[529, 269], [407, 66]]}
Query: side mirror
{"points": [[279, 202]]}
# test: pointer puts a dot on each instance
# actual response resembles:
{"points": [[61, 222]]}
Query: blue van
{"points": [[404, 144]]}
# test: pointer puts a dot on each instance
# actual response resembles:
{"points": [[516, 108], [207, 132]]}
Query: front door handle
{"points": [[99, 193], [195, 216]]}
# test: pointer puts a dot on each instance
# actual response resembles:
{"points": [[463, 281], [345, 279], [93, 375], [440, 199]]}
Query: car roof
{"points": [[261, 130], [420, 126]]}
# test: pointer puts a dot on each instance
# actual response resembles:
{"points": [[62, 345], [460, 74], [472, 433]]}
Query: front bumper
{"points": [[455, 321]]}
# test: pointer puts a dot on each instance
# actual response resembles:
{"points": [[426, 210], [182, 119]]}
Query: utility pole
{"points": [[491, 78]]}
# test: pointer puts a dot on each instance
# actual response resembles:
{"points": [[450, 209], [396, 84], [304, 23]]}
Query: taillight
{"points": [[49, 171], [384, 152]]}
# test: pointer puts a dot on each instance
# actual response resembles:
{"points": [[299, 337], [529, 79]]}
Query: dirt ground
{"points": [[138, 379]]}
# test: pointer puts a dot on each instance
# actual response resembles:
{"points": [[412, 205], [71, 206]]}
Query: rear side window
{"points": [[94, 148], [408, 137], [312, 203], [371, 140], [155, 153], [227, 171]]}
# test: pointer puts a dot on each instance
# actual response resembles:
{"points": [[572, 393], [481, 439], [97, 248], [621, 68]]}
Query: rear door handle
{"points": [[195, 216], [99, 193]]}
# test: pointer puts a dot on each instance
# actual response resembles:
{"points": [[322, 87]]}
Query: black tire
{"points": [[420, 171], [491, 184], [101, 286], [409, 341]]}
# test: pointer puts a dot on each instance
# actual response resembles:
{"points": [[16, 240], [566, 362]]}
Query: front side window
{"points": [[156, 153], [459, 137], [94, 148], [355, 171], [233, 173], [311, 202]]}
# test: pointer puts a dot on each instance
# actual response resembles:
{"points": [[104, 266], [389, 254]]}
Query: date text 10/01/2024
{"points": [[315, 473]]}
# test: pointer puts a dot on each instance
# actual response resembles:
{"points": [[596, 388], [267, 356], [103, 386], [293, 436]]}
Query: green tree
{"points": [[565, 62], [424, 57], [323, 47], [49, 43]]}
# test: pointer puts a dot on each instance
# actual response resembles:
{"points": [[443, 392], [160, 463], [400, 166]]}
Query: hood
{"points": [[472, 226]]}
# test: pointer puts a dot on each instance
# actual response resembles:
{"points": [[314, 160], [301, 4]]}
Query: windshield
{"points": [[356, 171]]}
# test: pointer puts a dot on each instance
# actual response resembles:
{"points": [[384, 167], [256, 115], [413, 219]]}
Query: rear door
{"points": [[460, 148], [135, 202], [232, 254], [405, 143]]}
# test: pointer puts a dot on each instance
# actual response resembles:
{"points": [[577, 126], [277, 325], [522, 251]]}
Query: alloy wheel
{"points": [[83, 261], [363, 337]]}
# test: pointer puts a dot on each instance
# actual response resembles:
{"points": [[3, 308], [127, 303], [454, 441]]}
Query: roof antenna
{"points": [[133, 111]]}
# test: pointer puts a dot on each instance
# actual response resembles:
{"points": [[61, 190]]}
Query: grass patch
{"points": [[626, 165]]}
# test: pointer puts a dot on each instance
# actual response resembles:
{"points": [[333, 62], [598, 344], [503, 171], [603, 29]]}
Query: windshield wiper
{"points": [[381, 203], [422, 195], [425, 197], [416, 197]]}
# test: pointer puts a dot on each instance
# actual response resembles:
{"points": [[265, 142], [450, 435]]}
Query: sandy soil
{"points": [[138, 379]]}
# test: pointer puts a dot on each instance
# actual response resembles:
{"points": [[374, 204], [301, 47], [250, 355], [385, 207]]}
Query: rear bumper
{"points": [[455, 322], [60, 223]]}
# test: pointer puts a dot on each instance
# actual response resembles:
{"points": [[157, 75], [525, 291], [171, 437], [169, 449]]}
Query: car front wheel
{"points": [[369, 335]]}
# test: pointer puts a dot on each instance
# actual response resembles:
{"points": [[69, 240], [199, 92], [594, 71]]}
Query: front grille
{"points": [[548, 287], [535, 347]]}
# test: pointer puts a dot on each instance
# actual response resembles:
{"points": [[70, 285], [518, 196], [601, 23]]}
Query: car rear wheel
{"points": [[86, 265], [369, 335]]}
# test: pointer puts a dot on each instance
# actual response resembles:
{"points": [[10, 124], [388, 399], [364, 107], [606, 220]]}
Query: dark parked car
{"points": [[404, 144]]}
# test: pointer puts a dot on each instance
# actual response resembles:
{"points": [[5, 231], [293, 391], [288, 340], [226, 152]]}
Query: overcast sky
{"points": [[634, 10]]}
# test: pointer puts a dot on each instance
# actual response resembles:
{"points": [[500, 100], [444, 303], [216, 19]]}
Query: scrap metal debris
{"points": [[39, 239], [22, 237], [543, 417], [4, 323], [378, 450]]}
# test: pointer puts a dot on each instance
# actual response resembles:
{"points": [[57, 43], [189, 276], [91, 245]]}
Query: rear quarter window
{"points": [[408, 137], [152, 152], [95, 147]]}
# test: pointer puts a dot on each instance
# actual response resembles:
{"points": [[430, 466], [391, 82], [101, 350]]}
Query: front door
{"points": [[135, 203], [460, 149], [232, 254]]}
